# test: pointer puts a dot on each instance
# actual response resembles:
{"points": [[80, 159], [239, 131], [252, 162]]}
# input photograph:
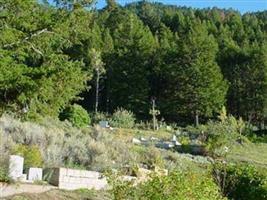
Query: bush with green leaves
{"points": [[148, 156], [222, 134], [122, 118], [77, 115], [99, 116], [61, 144], [31, 154], [177, 185], [4, 177], [241, 181]]}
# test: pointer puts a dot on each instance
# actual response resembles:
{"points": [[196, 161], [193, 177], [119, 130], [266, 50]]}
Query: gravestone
{"points": [[16, 167], [103, 124], [35, 174], [174, 138], [136, 141], [168, 128], [143, 139]]}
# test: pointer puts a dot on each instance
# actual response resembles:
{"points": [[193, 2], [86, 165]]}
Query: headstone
{"points": [[154, 139], [176, 143], [143, 139], [104, 124], [35, 174], [165, 145], [168, 128], [15, 167], [136, 141], [178, 132]]}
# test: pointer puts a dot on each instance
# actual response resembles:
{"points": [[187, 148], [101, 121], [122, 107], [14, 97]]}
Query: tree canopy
{"points": [[192, 61]]}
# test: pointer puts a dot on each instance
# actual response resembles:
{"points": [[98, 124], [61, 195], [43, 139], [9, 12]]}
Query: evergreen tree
{"points": [[129, 65], [195, 83], [33, 62]]}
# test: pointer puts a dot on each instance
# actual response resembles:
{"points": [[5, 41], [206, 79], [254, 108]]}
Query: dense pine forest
{"points": [[153, 101], [192, 62]]}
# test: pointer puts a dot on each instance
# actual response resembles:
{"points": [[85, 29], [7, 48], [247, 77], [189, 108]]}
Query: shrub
{"points": [[99, 116], [4, 168], [31, 154], [220, 135], [122, 119], [62, 144], [77, 115], [150, 157], [241, 182], [176, 185]]}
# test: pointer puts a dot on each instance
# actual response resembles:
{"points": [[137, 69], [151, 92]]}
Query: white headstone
{"points": [[15, 167], [174, 139], [168, 128], [35, 174], [103, 124], [143, 139], [136, 141]]}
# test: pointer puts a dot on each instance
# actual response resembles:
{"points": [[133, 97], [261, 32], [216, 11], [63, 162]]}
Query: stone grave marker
{"points": [[16, 167], [103, 124]]}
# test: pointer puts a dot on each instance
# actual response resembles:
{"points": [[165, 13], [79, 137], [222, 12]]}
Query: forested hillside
{"points": [[192, 62]]}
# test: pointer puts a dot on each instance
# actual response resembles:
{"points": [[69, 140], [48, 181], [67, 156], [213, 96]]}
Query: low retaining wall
{"points": [[71, 179]]}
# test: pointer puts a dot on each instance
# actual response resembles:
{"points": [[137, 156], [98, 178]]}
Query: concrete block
{"points": [[35, 174]]}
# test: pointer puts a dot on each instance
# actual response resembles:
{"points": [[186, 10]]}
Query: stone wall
{"points": [[71, 179]]}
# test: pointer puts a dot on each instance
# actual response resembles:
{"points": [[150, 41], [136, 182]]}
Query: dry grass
{"points": [[128, 134], [63, 195]]}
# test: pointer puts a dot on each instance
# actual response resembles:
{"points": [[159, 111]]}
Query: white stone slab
{"points": [[136, 141], [103, 124], [16, 167], [35, 174]]}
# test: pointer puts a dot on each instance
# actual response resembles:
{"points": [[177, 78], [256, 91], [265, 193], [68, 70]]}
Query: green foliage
{"points": [[73, 3], [99, 116], [176, 185], [193, 76], [128, 69], [38, 78], [77, 115], [61, 144], [151, 157], [122, 118], [180, 56], [221, 135], [31, 154], [4, 165], [242, 182]]}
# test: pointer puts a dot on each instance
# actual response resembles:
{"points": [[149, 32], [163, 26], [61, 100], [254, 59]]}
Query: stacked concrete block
{"points": [[35, 174], [71, 179]]}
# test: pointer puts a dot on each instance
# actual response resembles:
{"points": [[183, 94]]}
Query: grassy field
{"points": [[128, 134], [251, 153]]}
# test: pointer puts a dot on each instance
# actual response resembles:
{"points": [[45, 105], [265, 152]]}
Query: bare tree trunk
{"points": [[154, 114], [196, 118], [97, 91]]}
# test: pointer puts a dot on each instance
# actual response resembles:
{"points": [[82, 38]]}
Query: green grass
{"points": [[82, 194], [128, 134], [252, 153]]}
